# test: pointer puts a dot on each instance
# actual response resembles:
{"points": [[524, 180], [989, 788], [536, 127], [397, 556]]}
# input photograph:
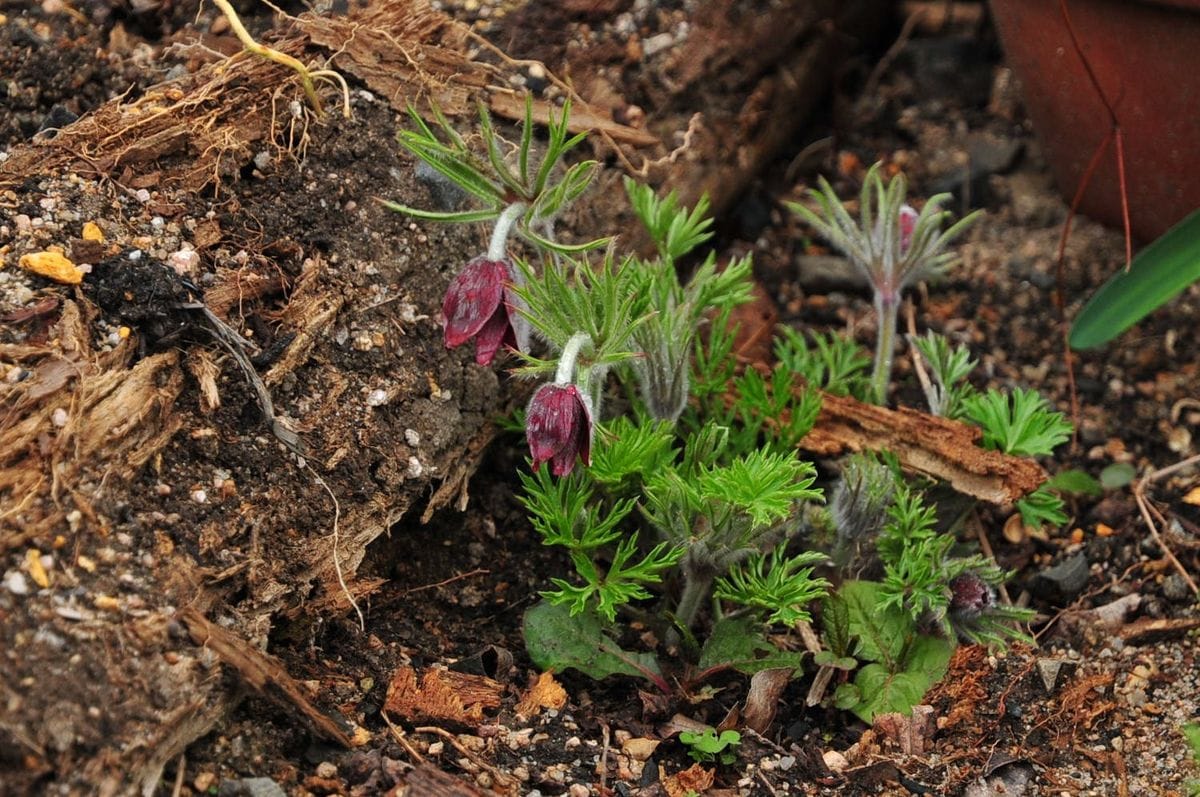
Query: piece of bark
{"points": [[937, 447], [264, 674]]}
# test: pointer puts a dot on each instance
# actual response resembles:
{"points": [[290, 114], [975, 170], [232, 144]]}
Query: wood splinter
{"points": [[263, 673]]}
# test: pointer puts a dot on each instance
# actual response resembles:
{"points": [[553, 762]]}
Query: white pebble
{"points": [[377, 398], [59, 417], [199, 496], [142, 195], [415, 468], [412, 437], [14, 582], [135, 255]]}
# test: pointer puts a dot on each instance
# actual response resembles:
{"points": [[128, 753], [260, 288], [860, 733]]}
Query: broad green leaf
{"points": [[556, 641], [884, 692], [929, 655], [738, 643], [1117, 475], [1074, 482], [1159, 272]]}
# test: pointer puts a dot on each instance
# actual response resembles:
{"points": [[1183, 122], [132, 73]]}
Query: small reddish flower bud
{"points": [[478, 305], [969, 595], [558, 425], [908, 223]]}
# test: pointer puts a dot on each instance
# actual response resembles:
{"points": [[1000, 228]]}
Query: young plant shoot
{"points": [[892, 245]]}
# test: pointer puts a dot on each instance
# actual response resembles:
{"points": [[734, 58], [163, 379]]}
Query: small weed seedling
{"points": [[706, 747], [688, 516]]}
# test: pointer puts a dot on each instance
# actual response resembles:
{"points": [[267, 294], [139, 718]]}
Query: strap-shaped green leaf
{"points": [[1157, 274]]}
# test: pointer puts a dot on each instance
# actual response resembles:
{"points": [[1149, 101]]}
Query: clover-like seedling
{"points": [[707, 746], [891, 243]]}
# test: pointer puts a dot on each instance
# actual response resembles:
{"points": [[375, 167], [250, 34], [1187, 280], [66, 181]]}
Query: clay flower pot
{"points": [[1146, 57]]}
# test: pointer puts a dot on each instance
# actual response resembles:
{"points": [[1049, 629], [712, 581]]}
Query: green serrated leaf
{"points": [[557, 641], [882, 633], [884, 692], [738, 643], [835, 621]]}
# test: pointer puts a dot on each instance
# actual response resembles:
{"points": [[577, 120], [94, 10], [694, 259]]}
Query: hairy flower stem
{"points": [[696, 588], [887, 308], [570, 353], [498, 246]]}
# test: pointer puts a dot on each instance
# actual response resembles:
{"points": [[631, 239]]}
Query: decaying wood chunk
{"points": [[442, 695], [937, 447]]}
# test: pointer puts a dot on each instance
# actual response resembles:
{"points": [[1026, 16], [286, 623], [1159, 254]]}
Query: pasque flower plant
{"points": [[687, 509], [892, 244]]}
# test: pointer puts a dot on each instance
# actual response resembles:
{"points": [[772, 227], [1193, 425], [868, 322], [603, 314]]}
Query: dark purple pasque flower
{"points": [[970, 595], [908, 223], [558, 425], [479, 304]]}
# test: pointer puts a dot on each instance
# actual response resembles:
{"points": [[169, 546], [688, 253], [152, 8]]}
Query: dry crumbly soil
{"points": [[293, 244]]}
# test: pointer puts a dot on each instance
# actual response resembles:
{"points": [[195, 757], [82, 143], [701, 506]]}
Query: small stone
{"points": [[204, 781], [377, 398], [251, 787], [415, 468], [200, 496], [326, 769], [142, 195], [436, 748], [579, 790], [412, 437], [639, 749], [14, 582], [59, 417], [656, 44], [184, 261], [1063, 582], [835, 761]]}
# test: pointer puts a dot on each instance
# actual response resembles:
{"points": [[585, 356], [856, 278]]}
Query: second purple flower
{"points": [[558, 425]]}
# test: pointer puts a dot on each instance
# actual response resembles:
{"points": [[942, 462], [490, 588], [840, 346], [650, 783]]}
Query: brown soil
{"points": [[137, 472]]}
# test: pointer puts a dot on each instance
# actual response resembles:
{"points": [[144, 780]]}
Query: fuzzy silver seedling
{"points": [[891, 243]]}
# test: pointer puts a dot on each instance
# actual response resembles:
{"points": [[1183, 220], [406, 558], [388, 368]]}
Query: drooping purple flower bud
{"points": [[480, 304], [908, 223], [558, 425], [970, 595]]}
